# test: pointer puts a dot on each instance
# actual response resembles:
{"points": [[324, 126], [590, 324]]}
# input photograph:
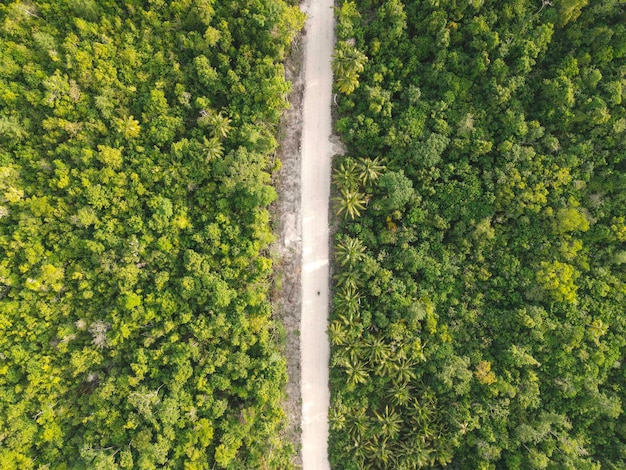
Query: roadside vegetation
{"points": [[480, 261], [136, 147]]}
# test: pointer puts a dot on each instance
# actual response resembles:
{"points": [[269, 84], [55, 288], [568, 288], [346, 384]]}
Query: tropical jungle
{"points": [[137, 142], [479, 265]]}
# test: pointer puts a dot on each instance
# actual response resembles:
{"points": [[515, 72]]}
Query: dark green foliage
{"points": [[135, 329], [478, 319]]}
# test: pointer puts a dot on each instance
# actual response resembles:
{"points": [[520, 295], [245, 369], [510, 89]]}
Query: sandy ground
{"points": [[288, 246], [316, 154]]}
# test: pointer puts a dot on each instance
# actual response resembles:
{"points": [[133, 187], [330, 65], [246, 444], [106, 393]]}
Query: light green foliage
{"points": [[558, 278], [570, 220], [348, 21], [569, 10], [478, 317], [136, 143]]}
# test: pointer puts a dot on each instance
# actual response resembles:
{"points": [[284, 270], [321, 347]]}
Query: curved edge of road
{"points": [[316, 151]]}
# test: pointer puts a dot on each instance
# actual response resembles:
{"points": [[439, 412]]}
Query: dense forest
{"points": [[137, 143], [480, 258]]}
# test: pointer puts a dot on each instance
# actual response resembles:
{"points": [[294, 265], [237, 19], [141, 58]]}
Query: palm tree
{"points": [[417, 453], [356, 372], [349, 251], [385, 368], [442, 452], [403, 371], [421, 411], [378, 350], [358, 450], [348, 60], [370, 170], [337, 333], [399, 394], [390, 422], [346, 176], [380, 452], [351, 202], [339, 358], [337, 416], [220, 125], [355, 350], [347, 300], [349, 277], [213, 148], [347, 83], [358, 423], [349, 318]]}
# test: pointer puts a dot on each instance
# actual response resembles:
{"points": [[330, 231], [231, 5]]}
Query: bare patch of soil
{"points": [[287, 248]]}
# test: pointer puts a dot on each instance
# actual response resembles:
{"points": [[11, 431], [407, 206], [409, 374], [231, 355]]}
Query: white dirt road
{"points": [[316, 151]]}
